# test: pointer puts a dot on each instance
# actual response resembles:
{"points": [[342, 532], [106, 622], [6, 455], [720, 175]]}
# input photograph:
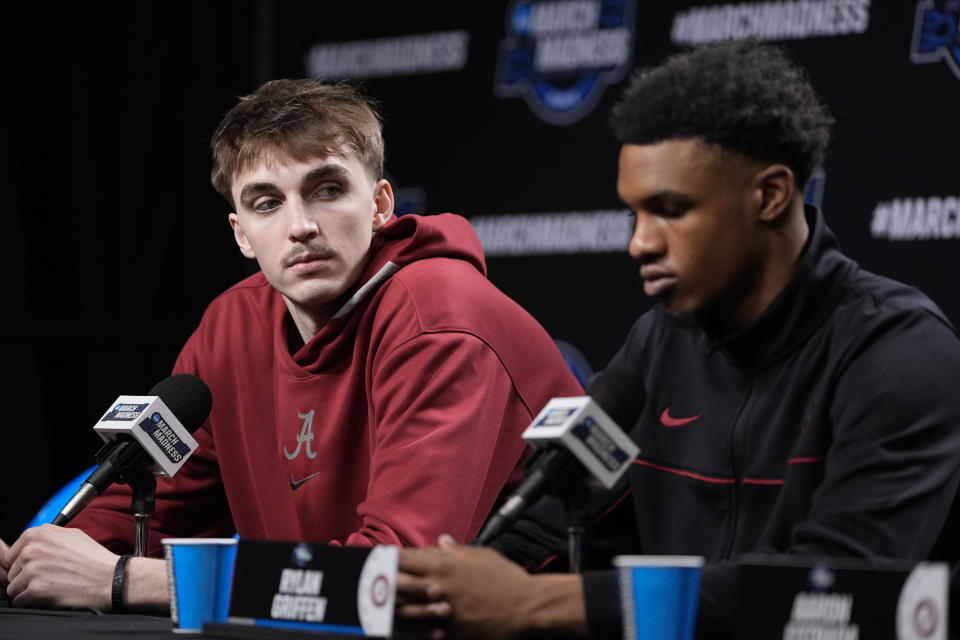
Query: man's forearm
{"points": [[145, 588], [557, 605]]}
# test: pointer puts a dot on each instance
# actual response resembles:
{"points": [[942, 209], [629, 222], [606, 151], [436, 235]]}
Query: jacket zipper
{"points": [[735, 449]]}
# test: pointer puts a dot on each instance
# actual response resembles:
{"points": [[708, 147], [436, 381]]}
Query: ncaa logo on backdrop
{"points": [[560, 56], [936, 33]]}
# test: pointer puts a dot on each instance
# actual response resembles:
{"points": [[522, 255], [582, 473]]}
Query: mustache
{"points": [[308, 251]]}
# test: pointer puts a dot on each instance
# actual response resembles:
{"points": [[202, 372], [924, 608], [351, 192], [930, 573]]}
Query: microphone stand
{"points": [[577, 500], [144, 487]]}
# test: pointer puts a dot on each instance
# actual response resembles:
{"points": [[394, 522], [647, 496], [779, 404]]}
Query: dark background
{"points": [[115, 241]]}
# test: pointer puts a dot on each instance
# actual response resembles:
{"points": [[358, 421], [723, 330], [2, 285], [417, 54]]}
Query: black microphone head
{"points": [[620, 393], [187, 396]]}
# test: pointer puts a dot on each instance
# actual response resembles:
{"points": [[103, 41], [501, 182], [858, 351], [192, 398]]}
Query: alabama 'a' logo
{"points": [[304, 438], [936, 33], [304, 443]]}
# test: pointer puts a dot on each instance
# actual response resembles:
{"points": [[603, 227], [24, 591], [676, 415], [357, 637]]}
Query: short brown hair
{"points": [[300, 119]]}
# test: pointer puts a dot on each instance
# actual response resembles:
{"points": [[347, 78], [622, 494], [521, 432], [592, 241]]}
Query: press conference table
{"points": [[88, 624], [28, 624]]}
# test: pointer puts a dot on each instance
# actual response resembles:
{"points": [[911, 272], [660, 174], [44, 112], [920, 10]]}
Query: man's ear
{"points": [[240, 236], [776, 187], [382, 204]]}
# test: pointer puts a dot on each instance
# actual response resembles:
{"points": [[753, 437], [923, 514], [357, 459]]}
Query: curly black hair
{"points": [[740, 95]]}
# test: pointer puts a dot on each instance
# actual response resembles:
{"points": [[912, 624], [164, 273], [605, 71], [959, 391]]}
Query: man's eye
{"points": [[671, 209], [672, 212], [328, 191], [266, 204]]}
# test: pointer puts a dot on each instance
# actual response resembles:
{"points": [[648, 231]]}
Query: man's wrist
{"points": [[556, 605], [118, 585], [146, 585]]}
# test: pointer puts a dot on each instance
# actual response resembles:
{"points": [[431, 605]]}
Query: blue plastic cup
{"points": [[199, 576], [658, 596]]}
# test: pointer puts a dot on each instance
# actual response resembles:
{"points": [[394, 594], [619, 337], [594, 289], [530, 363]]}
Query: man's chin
{"points": [[317, 297], [679, 314], [684, 318], [711, 319]]}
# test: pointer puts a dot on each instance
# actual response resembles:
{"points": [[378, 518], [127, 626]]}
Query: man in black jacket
{"points": [[796, 404]]}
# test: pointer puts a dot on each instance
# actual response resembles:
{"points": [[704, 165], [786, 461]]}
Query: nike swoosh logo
{"points": [[296, 484], [669, 421]]}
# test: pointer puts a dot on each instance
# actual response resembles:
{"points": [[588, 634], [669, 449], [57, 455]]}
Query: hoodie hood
{"points": [[400, 242], [408, 239], [411, 238]]}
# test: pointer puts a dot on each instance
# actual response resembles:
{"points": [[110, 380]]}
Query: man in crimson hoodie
{"points": [[370, 385]]}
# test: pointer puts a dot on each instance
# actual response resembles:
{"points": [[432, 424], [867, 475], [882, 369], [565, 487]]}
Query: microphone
{"points": [[149, 433], [572, 435]]}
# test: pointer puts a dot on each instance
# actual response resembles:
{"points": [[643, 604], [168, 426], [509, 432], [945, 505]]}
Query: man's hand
{"points": [[54, 567], [471, 592], [4, 567]]}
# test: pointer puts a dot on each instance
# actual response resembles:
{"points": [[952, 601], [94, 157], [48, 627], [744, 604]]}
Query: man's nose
{"points": [[647, 239], [301, 224]]}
